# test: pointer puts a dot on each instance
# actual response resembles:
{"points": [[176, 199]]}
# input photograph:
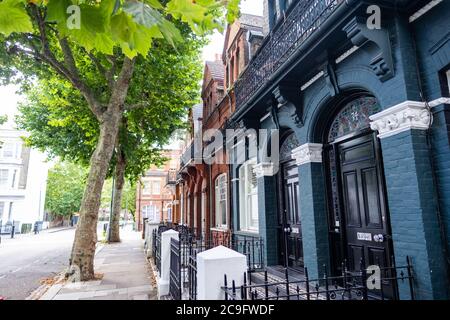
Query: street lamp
{"points": [[111, 209]]}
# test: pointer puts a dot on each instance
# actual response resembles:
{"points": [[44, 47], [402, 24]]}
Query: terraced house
{"points": [[204, 188], [359, 91]]}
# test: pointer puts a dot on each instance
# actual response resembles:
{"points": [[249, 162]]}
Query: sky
{"points": [[9, 99]]}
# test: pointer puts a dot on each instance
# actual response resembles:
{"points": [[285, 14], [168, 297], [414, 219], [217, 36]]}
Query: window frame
{"points": [[246, 198], [155, 191], [221, 183], [147, 213]]}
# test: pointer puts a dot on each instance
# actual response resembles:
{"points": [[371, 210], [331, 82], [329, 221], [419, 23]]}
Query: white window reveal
{"points": [[248, 197], [221, 201]]}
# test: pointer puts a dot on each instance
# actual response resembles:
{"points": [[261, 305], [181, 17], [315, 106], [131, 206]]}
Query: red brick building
{"points": [[203, 190], [155, 191]]}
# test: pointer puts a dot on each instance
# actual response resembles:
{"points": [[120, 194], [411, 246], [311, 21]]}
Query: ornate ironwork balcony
{"points": [[305, 17], [187, 155], [171, 177]]}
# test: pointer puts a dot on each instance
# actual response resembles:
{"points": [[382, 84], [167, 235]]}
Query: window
{"points": [[248, 197], [8, 150], [146, 189], [149, 212], [169, 214], [4, 175], [156, 187], [221, 201]]}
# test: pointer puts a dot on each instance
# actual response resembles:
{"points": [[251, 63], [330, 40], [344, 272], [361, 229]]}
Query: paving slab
{"points": [[124, 275]]}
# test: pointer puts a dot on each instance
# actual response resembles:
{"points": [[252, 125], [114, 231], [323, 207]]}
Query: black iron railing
{"points": [[252, 247], [183, 258], [349, 285], [156, 249], [175, 285], [305, 18]]}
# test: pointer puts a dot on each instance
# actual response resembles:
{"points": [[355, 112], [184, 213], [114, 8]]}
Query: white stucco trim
{"points": [[265, 117], [308, 153], [265, 169], [347, 54], [424, 10], [402, 117], [310, 82], [439, 101]]}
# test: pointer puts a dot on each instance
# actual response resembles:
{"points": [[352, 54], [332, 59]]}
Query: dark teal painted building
{"points": [[363, 113]]}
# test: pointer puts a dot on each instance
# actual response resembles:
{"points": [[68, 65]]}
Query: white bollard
{"points": [[212, 265], [163, 283]]}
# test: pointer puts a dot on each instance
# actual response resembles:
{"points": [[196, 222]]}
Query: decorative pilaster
{"points": [[412, 196], [311, 201], [308, 153], [402, 117]]}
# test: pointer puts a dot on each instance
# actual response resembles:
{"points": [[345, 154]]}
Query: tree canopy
{"points": [[65, 186], [165, 85]]}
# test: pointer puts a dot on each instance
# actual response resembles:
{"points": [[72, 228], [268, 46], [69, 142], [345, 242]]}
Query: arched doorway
{"points": [[358, 214], [290, 234]]}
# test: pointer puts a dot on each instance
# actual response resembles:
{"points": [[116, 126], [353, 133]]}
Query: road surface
{"points": [[27, 259]]}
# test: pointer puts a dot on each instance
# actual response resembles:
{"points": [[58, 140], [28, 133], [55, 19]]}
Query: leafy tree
{"points": [[128, 199], [60, 123], [65, 186], [83, 41]]}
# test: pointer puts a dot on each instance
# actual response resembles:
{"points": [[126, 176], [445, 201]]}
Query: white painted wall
{"points": [[212, 265], [28, 203]]}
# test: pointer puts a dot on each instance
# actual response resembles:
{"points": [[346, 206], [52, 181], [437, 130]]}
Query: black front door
{"points": [[291, 249], [365, 218]]}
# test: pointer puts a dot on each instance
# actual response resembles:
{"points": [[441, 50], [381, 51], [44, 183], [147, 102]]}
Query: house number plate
{"points": [[295, 230], [364, 236]]}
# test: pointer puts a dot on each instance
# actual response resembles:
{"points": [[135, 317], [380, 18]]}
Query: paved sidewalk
{"points": [[125, 275]]}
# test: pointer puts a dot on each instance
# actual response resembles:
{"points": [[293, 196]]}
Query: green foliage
{"points": [[58, 120], [65, 186], [164, 86], [107, 24], [13, 17], [128, 196]]}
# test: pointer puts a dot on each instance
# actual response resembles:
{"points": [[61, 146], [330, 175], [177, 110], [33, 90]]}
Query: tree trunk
{"points": [[83, 250], [117, 199]]}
